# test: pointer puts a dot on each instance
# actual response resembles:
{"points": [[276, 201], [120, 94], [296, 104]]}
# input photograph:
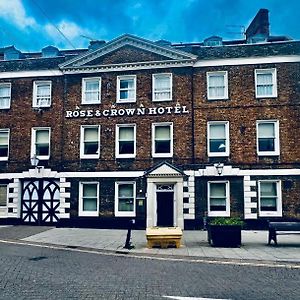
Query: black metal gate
{"points": [[40, 202]]}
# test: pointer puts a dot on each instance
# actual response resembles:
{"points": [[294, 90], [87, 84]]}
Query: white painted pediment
{"points": [[91, 58], [165, 170]]}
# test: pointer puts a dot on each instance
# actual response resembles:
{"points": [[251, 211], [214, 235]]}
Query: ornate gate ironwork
{"points": [[40, 202]]}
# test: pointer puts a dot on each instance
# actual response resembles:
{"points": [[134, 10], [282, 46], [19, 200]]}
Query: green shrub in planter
{"points": [[225, 232]]}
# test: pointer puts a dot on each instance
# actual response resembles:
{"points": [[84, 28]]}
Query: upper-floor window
{"points": [[3, 194], [91, 90], [161, 87], [217, 85], [162, 139], [267, 137], [4, 144], [218, 199], [90, 141], [42, 93], [126, 88], [265, 83], [218, 138], [40, 143], [126, 141], [89, 199], [125, 195], [270, 203], [5, 95]]}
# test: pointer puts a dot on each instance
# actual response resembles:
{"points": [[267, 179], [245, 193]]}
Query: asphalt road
{"points": [[28, 272]]}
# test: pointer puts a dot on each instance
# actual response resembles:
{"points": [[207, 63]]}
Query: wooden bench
{"points": [[276, 228], [163, 237]]}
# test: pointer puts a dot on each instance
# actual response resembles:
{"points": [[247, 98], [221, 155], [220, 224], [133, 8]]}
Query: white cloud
{"points": [[73, 32], [14, 12]]}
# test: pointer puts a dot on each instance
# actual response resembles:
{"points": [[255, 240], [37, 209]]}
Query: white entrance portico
{"points": [[165, 196]]}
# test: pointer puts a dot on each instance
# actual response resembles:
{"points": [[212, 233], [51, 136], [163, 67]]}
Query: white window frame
{"points": [[278, 212], [227, 141], [81, 212], [272, 71], [33, 143], [124, 213], [83, 98], [35, 87], [118, 126], [8, 140], [154, 78], [218, 73], [5, 185], [5, 85], [89, 156], [170, 154], [225, 213], [126, 77], [276, 151]]}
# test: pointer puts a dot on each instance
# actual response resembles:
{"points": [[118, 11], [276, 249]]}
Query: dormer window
{"points": [[42, 93]]}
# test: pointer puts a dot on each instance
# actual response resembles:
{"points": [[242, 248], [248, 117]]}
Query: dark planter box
{"points": [[224, 235]]}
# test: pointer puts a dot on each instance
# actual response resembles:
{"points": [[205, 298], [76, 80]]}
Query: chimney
{"points": [[50, 51], [94, 44], [259, 26]]}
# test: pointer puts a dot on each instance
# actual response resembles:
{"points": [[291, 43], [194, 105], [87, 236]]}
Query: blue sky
{"points": [[30, 24]]}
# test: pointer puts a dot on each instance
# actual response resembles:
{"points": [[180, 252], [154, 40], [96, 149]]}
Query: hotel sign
{"points": [[121, 112]]}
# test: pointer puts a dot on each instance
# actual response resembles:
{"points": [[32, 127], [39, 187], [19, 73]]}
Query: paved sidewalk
{"points": [[254, 243]]}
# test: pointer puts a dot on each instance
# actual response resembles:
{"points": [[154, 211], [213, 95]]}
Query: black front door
{"points": [[40, 202], [165, 209]]}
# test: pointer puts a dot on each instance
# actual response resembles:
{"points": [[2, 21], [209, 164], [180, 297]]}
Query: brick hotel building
{"points": [[167, 134]]}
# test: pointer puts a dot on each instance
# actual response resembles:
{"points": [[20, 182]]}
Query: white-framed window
{"points": [[91, 90], [126, 89], [162, 87], [125, 140], [218, 138], [5, 95], [125, 197], [269, 199], [89, 199], [42, 93], [4, 144], [218, 199], [267, 137], [265, 83], [217, 85], [40, 142], [3, 195], [162, 139], [90, 141]]}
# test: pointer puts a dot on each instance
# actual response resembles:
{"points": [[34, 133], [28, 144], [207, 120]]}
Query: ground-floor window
{"points": [[3, 194], [89, 199], [218, 199], [270, 203], [125, 199]]}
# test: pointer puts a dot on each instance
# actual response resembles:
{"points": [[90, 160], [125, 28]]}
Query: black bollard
{"points": [[128, 244]]}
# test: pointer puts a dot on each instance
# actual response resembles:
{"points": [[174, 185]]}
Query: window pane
{"points": [[43, 90], [216, 80], [126, 84], [266, 144], [42, 136], [42, 149], [218, 190], [264, 79], [3, 195], [126, 190], [217, 145], [92, 85], [162, 146], [126, 133], [5, 91], [91, 134], [162, 132], [90, 204], [268, 189], [266, 130], [125, 205], [3, 138], [217, 131]]}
